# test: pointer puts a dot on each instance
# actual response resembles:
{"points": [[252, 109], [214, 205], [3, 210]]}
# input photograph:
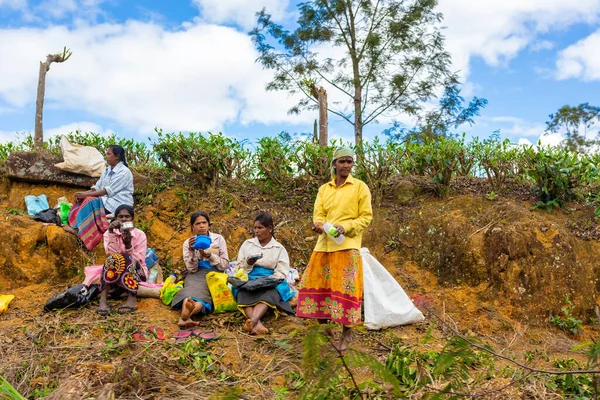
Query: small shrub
{"points": [[498, 160], [199, 158], [437, 159], [555, 173], [566, 321], [274, 160]]}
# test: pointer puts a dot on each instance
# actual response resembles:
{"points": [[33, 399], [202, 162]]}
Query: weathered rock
{"points": [[39, 168], [34, 252]]}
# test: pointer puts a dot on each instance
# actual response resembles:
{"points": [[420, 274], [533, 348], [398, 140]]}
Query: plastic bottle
{"points": [[152, 275], [332, 231]]}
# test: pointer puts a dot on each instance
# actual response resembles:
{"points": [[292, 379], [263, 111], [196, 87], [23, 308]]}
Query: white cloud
{"points": [[57, 8], [14, 4], [240, 12], [496, 30], [77, 126], [519, 127], [551, 139], [540, 45], [141, 75], [580, 60]]}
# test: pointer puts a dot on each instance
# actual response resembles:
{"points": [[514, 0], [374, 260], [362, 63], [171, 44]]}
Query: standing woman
{"points": [[273, 262], [87, 218], [331, 288], [125, 265], [195, 297]]}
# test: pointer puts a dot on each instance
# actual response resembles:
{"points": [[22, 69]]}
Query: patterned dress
{"points": [[332, 287], [123, 271]]}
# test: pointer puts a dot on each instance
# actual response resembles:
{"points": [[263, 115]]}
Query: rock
{"points": [[404, 190], [39, 168]]}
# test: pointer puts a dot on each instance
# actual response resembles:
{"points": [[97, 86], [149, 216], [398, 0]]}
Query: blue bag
{"points": [[151, 257], [35, 204]]}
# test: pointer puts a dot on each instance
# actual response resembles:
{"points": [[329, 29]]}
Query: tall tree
{"points": [[391, 56], [451, 113], [578, 124], [38, 138]]}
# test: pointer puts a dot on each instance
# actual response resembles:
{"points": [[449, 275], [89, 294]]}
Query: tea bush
{"points": [[284, 162], [555, 174]]}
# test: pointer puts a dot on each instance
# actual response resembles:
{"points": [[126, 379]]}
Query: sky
{"points": [[189, 65]]}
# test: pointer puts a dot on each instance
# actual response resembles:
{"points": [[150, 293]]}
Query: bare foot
{"points": [[259, 329], [67, 228], [188, 323], [248, 325], [342, 345], [189, 304]]}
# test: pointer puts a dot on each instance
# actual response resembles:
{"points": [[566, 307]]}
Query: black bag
{"points": [[74, 297], [251, 285], [49, 215]]}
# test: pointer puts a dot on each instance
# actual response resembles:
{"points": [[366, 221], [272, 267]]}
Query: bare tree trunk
{"points": [[323, 122], [321, 95], [38, 138]]}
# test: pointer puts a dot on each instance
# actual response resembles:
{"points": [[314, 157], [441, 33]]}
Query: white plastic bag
{"points": [[385, 302], [80, 159]]}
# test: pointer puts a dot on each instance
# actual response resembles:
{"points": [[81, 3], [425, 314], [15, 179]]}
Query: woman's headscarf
{"points": [[341, 151]]}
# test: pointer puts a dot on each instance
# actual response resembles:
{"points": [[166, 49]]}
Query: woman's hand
{"points": [[79, 196], [191, 243], [317, 227], [114, 225], [127, 238], [205, 253], [340, 230]]}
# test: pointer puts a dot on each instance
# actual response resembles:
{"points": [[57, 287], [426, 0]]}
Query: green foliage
{"points": [[313, 161], [194, 354], [395, 51], [567, 321], [204, 160], [498, 159], [8, 392], [274, 160], [555, 173], [437, 159], [138, 154], [378, 164], [576, 386], [325, 375], [575, 122]]}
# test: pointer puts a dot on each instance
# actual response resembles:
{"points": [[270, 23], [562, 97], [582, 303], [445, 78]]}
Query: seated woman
{"points": [[87, 218], [274, 263], [194, 298], [125, 265]]}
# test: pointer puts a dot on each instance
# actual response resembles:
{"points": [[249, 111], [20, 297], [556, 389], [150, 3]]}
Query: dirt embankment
{"points": [[492, 268]]}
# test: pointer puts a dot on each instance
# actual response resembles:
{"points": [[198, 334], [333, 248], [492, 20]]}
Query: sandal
{"points": [[206, 336], [103, 312], [126, 309], [158, 332], [183, 334], [144, 337]]}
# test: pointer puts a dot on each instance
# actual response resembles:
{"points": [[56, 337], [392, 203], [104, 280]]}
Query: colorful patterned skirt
{"points": [[123, 271], [332, 287], [89, 218]]}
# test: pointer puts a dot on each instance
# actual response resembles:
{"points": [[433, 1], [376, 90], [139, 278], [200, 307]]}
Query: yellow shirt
{"points": [[349, 206]]}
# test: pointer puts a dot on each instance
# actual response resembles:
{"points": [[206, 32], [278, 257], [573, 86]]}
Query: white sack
{"points": [[385, 302], [80, 159]]}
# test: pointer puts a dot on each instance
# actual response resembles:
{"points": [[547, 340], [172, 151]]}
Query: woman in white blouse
{"points": [[274, 262]]}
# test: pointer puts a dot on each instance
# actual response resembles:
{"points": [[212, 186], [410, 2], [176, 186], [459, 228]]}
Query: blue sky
{"points": [[189, 65]]}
